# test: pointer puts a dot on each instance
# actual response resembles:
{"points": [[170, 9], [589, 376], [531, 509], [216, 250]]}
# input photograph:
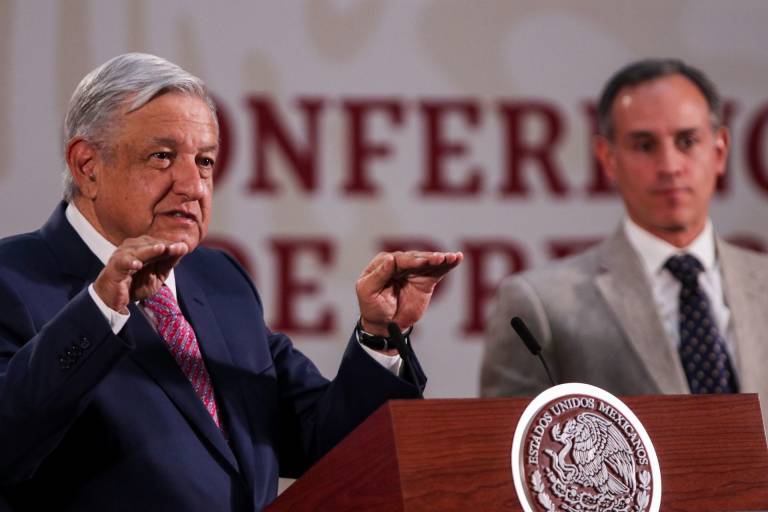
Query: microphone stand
{"points": [[406, 353], [533, 346]]}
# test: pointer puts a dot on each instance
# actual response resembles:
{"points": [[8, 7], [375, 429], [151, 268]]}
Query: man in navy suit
{"points": [[136, 371]]}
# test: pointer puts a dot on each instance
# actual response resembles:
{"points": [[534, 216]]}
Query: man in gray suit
{"points": [[612, 315]]}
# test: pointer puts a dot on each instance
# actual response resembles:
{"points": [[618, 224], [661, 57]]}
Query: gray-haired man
{"points": [[136, 371]]}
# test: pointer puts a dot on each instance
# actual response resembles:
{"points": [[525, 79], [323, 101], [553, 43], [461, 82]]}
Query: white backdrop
{"points": [[458, 124]]}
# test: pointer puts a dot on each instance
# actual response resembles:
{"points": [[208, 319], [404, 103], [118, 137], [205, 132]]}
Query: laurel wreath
{"points": [[538, 486], [642, 498]]}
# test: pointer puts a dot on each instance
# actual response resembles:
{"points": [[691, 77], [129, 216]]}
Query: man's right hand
{"points": [[136, 270]]}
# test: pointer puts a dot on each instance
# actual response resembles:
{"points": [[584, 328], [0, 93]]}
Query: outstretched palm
{"points": [[397, 287]]}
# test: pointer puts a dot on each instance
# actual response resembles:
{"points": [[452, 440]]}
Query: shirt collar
{"points": [[99, 245], [654, 251]]}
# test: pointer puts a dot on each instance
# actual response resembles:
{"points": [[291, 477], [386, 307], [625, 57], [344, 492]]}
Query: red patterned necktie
{"points": [[182, 342]]}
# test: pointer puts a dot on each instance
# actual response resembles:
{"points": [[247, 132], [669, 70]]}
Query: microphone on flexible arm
{"points": [[533, 346], [406, 353]]}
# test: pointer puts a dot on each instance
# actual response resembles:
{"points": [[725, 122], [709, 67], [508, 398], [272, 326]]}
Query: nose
{"points": [[187, 180], [670, 160]]}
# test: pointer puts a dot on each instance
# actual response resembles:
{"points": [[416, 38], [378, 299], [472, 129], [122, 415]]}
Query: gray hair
{"points": [[649, 69], [132, 79]]}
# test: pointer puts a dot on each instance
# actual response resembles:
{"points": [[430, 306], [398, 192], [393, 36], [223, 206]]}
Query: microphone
{"points": [[533, 346], [405, 351]]}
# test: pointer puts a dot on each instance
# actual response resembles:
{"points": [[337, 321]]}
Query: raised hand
{"points": [[397, 287], [136, 270]]}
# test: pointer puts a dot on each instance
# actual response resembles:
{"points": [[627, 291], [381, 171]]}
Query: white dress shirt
{"points": [[654, 252], [103, 250]]}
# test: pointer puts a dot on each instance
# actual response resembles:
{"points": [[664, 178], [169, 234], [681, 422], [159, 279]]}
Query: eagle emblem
{"points": [[603, 458], [577, 448]]}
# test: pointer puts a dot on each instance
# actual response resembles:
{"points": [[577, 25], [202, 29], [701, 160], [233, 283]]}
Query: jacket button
{"points": [[84, 343]]}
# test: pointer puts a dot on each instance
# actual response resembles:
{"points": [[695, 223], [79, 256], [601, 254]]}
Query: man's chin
{"points": [[676, 220], [672, 227], [680, 225]]}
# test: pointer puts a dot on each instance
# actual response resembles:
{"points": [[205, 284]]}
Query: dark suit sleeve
{"points": [[315, 414], [47, 376], [318, 413]]}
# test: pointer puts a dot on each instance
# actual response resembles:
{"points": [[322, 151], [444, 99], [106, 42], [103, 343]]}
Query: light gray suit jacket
{"points": [[595, 318]]}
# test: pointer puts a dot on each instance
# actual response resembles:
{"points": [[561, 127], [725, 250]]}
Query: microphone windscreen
{"points": [[522, 330]]}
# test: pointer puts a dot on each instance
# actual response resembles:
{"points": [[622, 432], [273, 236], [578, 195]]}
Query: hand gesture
{"points": [[136, 270], [397, 287]]}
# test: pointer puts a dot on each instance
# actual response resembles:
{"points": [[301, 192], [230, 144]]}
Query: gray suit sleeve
{"points": [[508, 368]]}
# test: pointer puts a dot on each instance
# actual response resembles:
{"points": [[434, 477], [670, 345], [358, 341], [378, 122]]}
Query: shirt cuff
{"points": [[116, 320], [391, 363]]}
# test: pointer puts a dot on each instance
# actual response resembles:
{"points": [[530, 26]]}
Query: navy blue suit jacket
{"points": [[90, 420]]}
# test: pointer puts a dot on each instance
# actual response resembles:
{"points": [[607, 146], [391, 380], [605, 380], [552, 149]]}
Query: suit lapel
{"points": [[150, 352], [744, 286], [229, 395], [152, 355], [626, 290]]}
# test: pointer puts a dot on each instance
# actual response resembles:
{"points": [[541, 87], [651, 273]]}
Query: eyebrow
{"points": [[643, 134], [164, 141], [640, 134], [172, 143], [687, 131]]}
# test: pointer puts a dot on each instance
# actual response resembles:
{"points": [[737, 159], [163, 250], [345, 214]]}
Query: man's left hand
{"points": [[397, 287]]}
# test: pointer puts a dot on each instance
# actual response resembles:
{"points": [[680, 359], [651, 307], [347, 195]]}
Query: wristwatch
{"points": [[376, 342]]}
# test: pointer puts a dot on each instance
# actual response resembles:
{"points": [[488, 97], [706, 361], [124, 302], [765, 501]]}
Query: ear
{"points": [[722, 147], [603, 151], [83, 162]]}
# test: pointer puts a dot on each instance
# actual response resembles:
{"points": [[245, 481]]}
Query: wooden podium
{"points": [[455, 454]]}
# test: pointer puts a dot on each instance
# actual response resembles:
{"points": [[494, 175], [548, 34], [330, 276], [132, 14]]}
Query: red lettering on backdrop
{"points": [[410, 243], [415, 243], [438, 149], [360, 149], [514, 115], [756, 163], [233, 248], [289, 288], [271, 133], [482, 287]]}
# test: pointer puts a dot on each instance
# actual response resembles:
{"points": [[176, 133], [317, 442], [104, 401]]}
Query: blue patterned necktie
{"points": [[702, 348]]}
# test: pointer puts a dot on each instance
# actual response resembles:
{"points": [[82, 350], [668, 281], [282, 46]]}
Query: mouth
{"points": [[181, 215], [671, 191]]}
